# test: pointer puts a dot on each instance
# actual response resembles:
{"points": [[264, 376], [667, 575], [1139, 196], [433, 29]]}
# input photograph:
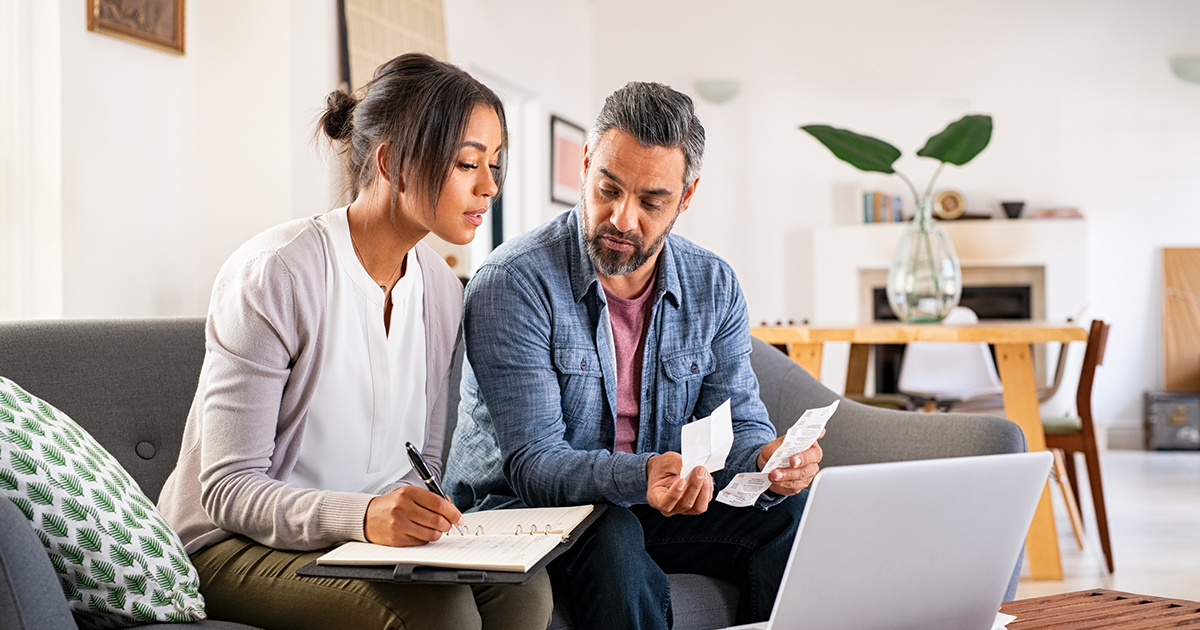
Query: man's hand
{"points": [[671, 494], [409, 516], [800, 469]]}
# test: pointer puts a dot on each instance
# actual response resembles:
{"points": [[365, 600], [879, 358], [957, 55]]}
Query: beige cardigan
{"points": [[265, 339]]}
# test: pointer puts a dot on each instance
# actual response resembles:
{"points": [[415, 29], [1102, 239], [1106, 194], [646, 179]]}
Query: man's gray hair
{"points": [[657, 116]]}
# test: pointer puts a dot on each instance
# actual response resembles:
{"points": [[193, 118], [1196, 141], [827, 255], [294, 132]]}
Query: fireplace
{"points": [[1050, 256], [1007, 302], [995, 293]]}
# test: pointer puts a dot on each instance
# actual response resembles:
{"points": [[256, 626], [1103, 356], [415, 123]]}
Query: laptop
{"points": [[909, 545]]}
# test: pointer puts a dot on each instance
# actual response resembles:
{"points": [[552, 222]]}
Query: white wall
{"points": [[1087, 114], [537, 55], [170, 162], [31, 272]]}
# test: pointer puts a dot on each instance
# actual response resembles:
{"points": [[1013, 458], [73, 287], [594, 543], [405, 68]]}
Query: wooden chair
{"points": [[1076, 434]]}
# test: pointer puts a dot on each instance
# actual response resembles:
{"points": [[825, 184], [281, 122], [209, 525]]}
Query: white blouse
{"points": [[370, 396]]}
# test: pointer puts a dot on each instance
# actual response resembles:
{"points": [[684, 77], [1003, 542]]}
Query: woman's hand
{"points": [[409, 516]]}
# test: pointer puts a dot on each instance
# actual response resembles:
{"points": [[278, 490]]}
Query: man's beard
{"points": [[610, 262]]}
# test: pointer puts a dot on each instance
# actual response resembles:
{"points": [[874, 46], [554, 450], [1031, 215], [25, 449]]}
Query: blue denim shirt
{"points": [[539, 390]]}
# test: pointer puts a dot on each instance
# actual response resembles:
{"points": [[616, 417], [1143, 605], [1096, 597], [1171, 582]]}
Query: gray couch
{"points": [[130, 383]]}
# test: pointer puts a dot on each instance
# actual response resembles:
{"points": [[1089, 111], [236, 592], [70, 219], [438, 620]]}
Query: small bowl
{"points": [[1012, 209]]}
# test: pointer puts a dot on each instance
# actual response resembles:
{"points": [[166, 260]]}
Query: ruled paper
{"points": [[485, 553], [503, 522], [497, 548]]}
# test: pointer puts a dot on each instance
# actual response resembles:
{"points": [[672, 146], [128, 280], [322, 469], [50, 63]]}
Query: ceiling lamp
{"points": [[718, 90], [1187, 68]]}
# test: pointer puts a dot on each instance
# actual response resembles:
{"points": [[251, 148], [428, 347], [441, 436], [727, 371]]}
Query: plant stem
{"points": [[929, 190], [916, 195], [933, 270]]}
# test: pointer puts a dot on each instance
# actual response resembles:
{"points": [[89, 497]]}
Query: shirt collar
{"points": [[583, 272]]}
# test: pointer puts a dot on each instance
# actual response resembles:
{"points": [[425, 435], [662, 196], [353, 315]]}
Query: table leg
{"points": [[1015, 362], [856, 371], [808, 355]]}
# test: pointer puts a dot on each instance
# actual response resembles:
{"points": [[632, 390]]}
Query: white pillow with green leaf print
{"points": [[118, 561]]}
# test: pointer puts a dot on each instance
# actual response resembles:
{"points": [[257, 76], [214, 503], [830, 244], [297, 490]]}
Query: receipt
{"points": [[745, 488], [743, 491], [801, 436], [707, 442]]}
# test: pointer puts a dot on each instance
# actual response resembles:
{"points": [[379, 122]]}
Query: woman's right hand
{"points": [[409, 516]]}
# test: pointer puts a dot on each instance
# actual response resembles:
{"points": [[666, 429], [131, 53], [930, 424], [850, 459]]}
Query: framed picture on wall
{"points": [[154, 23], [566, 161]]}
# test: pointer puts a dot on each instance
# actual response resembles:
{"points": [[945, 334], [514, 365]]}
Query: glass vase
{"points": [[925, 280]]}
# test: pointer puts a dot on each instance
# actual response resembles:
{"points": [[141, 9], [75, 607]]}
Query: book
{"points": [[496, 540], [1057, 213]]}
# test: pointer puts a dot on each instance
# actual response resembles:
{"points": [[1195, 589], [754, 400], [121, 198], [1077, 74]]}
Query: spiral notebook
{"points": [[498, 540]]}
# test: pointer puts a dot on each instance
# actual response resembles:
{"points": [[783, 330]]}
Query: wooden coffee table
{"points": [[1101, 609]]}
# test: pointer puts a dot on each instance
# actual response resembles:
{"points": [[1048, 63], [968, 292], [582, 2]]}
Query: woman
{"points": [[329, 345]]}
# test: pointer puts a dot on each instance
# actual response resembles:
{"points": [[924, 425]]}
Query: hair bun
{"points": [[338, 120]]}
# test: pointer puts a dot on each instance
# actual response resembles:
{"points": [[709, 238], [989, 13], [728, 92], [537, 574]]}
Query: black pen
{"points": [[418, 464]]}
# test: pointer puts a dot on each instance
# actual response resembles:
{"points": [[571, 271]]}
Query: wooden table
{"points": [[1101, 610], [1014, 360]]}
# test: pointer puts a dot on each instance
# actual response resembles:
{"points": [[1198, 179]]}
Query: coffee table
{"points": [[1101, 609]]}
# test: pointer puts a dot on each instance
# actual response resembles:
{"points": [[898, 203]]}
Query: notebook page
{"points": [[504, 522], [490, 553]]}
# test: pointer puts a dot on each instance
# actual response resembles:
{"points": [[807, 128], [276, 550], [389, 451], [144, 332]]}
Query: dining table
{"points": [[1014, 361]]}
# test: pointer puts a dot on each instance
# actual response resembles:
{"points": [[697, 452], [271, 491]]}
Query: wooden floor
{"points": [[1154, 519]]}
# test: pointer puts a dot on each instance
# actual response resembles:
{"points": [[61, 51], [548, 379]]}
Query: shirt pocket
{"points": [[581, 388], [685, 373]]}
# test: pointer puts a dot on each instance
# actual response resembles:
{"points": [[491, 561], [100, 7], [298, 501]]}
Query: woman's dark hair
{"points": [[421, 106]]}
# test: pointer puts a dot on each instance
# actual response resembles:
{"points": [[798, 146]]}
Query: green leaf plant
{"points": [[957, 144]]}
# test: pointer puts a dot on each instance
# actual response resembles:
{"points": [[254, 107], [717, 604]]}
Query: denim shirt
{"points": [[539, 391]]}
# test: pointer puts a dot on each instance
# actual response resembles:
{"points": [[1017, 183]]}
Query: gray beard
{"points": [[612, 263]]}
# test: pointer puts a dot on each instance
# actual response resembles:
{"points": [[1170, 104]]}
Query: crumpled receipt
{"points": [[745, 488], [707, 442]]}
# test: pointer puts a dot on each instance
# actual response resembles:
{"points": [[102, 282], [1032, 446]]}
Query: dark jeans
{"points": [[616, 577]]}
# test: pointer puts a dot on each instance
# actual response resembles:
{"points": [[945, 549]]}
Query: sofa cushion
{"points": [[117, 560]]}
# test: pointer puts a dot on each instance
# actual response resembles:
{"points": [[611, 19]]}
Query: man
{"points": [[590, 342]]}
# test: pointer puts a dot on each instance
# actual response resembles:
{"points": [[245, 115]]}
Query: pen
{"points": [[418, 464]]}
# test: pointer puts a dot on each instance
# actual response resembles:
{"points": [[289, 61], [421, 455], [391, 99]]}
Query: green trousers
{"points": [[249, 583]]}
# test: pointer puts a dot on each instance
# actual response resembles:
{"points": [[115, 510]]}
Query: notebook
{"points": [[497, 540], [908, 545]]}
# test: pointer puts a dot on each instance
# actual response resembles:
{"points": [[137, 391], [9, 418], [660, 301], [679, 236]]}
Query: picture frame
{"points": [[566, 161], [155, 23]]}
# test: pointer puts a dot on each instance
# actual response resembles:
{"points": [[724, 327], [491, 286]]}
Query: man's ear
{"points": [[687, 196], [586, 160], [383, 161]]}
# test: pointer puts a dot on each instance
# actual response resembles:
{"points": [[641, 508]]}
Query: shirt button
{"points": [[583, 364], [695, 368]]}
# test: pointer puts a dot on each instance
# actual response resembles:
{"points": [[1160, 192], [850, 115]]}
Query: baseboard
{"points": [[1122, 436]]}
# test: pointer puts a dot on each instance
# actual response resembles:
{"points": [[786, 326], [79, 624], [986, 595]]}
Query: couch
{"points": [[130, 384]]}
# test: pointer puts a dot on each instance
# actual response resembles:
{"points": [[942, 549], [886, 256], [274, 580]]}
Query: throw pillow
{"points": [[118, 561]]}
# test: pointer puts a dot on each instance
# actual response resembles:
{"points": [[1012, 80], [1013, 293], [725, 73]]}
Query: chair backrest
{"points": [[128, 382], [1093, 357], [949, 370]]}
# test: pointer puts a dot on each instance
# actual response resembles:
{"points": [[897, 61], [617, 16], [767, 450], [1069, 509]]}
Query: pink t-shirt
{"points": [[628, 318]]}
